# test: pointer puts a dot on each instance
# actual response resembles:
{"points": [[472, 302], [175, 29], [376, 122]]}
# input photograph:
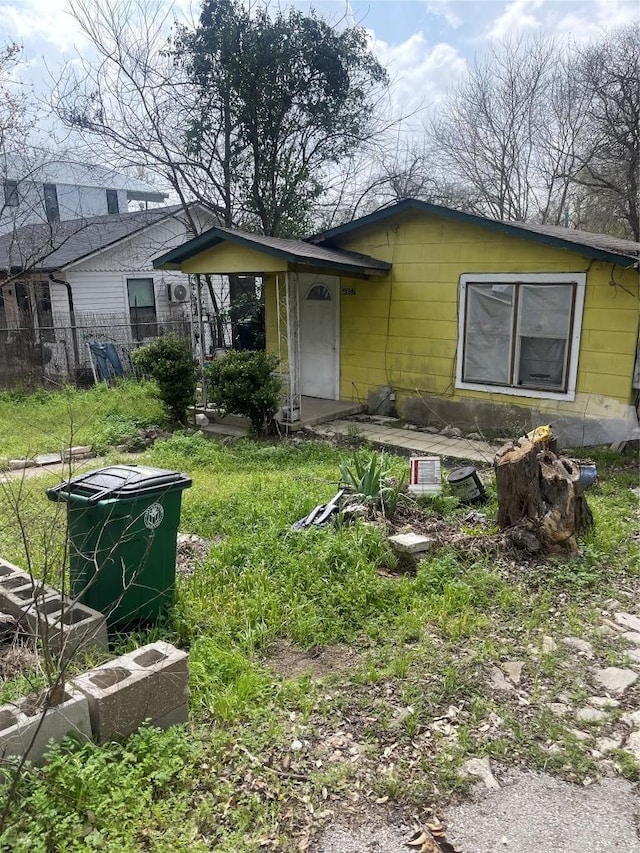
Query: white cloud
{"points": [[518, 16], [420, 74], [443, 9], [40, 21]]}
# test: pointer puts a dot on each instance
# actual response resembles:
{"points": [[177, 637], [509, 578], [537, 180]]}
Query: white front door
{"points": [[319, 335]]}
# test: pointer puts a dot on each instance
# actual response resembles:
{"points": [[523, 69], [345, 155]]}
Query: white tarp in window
{"points": [[489, 322], [543, 328]]}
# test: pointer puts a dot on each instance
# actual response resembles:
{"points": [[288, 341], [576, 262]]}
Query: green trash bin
{"points": [[122, 528]]}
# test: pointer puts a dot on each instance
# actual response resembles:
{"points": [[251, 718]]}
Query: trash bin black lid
{"points": [[119, 481]]}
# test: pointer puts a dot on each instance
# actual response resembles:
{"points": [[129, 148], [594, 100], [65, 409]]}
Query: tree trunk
{"points": [[541, 493]]}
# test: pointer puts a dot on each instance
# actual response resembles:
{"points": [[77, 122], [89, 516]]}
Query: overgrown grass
{"points": [[426, 641], [45, 422]]}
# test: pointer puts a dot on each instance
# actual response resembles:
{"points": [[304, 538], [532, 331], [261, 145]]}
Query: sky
{"points": [[425, 44]]}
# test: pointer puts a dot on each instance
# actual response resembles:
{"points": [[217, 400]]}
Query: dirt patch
{"points": [[191, 550], [287, 661], [16, 658]]}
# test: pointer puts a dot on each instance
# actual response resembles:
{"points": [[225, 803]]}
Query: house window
{"points": [[319, 293], [35, 314], [520, 334], [112, 202], [51, 208], [142, 308], [11, 196], [44, 312], [3, 319]]}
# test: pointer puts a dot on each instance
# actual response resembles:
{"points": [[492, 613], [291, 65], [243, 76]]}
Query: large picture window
{"points": [[520, 334], [142, 308]]}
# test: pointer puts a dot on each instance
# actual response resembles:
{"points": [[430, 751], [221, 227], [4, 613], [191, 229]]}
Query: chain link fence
{"points": [[96, 348]]}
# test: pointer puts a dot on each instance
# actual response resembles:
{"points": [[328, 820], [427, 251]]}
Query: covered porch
{"points": [[302, 284]]}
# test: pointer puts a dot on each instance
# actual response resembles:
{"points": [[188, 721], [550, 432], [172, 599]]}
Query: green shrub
{"points": [[169, 361], [243, 383]]}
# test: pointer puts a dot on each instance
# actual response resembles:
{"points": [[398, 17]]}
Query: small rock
{"points": [[410, 427], [632, 637], [481, 769], [633, 745], [628, 621], [401, 717], [608, 744], [582, 646], [590, 715], [513, 668], [603, 702], [633, 655], [614, 679], [549, 645], [202, 420], [121, 448], [474, 436], [612, 604], [579, 735], [498, 681], [631, 718], [559, 709], [296, 746]]}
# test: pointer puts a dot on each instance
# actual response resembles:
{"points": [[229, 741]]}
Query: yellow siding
{"points": [[232, 258], [402, 330]]}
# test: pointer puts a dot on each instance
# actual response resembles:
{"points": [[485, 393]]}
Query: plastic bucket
{"points": [[465, 484]]}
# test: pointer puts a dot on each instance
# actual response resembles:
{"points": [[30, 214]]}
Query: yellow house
{"points": [[450, 317]]}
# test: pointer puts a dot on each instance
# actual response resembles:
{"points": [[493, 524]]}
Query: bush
{"points": [[169, 361], [243, 383]]}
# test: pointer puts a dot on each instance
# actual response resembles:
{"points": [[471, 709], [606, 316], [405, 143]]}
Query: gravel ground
{"points": [[531, 812]]}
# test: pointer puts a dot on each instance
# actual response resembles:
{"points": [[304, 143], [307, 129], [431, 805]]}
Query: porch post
{"points": [[293, 347]]}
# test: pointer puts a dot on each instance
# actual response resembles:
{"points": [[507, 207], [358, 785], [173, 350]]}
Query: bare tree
{"points": [[493, 131], [610, 73]]}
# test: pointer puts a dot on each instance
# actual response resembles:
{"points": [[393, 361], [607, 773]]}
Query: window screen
{"points": [[11, 196], [518, 334], [142, 308]]}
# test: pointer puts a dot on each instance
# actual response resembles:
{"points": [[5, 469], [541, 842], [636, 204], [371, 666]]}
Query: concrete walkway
{"points": [[418, 443]]}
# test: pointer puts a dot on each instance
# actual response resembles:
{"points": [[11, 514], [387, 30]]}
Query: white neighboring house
{"points": [[37, 188], [69, 284]]}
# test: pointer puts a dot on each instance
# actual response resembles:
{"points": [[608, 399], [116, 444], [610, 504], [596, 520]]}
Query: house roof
{"points": [[49, 247], [292, 251], [600, 246], [43, 166]]}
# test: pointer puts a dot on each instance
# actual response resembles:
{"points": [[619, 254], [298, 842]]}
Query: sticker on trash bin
{"points": [[153, 516]]}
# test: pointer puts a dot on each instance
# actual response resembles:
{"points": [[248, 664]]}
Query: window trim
{"points": [[134, 326], [573, 338], [51, 202], [113, 203], [11, 194]]}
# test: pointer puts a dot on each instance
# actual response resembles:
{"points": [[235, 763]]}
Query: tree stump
{"points": [[539, 494]]}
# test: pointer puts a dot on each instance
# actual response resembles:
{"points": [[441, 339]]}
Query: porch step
{"points": [[225, 430], [315, 411]]}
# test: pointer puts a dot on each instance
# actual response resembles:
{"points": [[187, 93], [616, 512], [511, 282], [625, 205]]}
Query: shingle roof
{"points": [[53, 246], [601, 246], [293, 251]]}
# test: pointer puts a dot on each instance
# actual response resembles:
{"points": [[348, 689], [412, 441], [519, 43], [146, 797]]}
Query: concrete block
{"points": [[48, 459], [17, 590], [69, 627], [84, 451], [19, 464], [25, 730], [148, 684], [411, 543]]}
